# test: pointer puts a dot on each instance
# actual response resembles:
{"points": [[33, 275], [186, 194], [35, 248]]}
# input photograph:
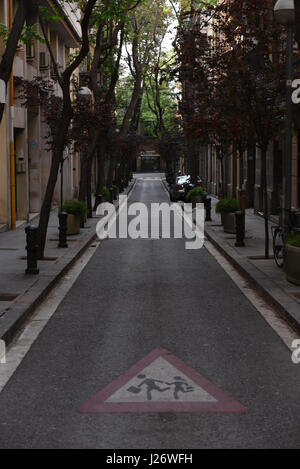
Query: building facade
{"points": [[32, 158]]}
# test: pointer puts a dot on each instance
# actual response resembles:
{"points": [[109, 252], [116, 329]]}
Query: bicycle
{"points": [[278, 245], [280, 235]]}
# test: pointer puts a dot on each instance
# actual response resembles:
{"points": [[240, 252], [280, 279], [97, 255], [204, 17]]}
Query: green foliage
{"points": [[75, 207], [294, 239], [106, 194], [227, 206], [48, 14], [196, 192], [4, 32], [28, 35]]}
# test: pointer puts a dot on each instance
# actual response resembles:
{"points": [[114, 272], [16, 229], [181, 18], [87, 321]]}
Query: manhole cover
{"points": [[8, 296]]}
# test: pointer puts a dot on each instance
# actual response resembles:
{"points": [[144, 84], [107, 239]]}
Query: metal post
{"points": [[98, 201], [62, 230], [32, 249], [207, 205], [61, 185], [289, 125], [240, 228], [111, 191]]}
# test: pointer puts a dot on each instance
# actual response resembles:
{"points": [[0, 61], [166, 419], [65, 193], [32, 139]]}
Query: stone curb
{"points": [[22, 308], [286, 306]]}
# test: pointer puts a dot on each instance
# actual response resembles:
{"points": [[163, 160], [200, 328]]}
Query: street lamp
{"points": [[284, 12], [84, 91]]}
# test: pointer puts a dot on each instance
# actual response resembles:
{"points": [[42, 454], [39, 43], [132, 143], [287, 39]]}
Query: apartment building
{"points": [[32, 159]]}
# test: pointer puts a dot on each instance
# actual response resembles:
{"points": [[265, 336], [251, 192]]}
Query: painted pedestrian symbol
{"points": [[160, 382], [151, 385], [179, 385]]}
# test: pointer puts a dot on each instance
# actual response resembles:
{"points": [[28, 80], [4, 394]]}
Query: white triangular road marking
{"points": [[160, 382]]}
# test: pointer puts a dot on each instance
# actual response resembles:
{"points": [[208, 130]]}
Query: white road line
{"points": [[271, 316], [18, 349], [284, 331], [43, 313]]}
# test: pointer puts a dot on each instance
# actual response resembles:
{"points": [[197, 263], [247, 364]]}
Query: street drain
{"points": [[8, 296]]}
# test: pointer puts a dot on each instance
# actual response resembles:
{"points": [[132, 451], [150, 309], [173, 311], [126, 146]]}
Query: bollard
{"points": [[207, 204], [111, 190], [98, 201], [32, 249], [240, 229], [115, 191], [62, 216], [82, 221]]}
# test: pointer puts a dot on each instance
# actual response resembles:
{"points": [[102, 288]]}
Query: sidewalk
{"points": [[21, 293], [262, 273]]}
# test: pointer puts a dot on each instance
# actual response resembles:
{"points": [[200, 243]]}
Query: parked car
{"points": [[178, 190]]}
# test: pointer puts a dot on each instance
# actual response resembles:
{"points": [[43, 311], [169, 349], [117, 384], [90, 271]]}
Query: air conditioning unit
{"points": [[44, 65]]}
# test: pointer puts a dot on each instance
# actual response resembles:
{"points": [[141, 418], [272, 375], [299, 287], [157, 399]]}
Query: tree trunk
{"points": [[265, 198], [297, 22], [83, 177], [100, 168], [223, 192], [86, 159], [111, 169], [47, 202], [193, 162], [89, 188]]}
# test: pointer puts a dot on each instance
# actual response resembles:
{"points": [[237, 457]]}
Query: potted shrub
{"points": [[106, 194], [196, 195], [76, 210], [227, 209], [292, 258]]}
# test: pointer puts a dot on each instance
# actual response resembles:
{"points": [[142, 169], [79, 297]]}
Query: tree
{"points": [[256, 77], [103, 77], [232, 79], [64, 118], [12, 38]]}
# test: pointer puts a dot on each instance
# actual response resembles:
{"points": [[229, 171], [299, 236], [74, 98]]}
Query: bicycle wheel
{"points": [[278, 246]]}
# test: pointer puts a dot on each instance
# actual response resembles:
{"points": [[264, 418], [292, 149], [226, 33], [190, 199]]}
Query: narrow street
{"points": [[135, 297]]}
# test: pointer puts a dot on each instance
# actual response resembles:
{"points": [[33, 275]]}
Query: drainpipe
{"points": [[11, 143]]}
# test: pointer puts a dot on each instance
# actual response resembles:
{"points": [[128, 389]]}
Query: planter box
{"points": [[292, 264], [228, 222], [73, 224], [196, 199]]}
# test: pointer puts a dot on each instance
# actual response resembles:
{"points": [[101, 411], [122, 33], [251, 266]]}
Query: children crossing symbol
{"points": [[160, 382]]}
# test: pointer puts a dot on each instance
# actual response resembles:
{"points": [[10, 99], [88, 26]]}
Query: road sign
{"points": [[161, 382]]}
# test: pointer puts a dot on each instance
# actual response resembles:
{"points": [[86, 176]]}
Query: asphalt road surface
{"points": [[135, 298]]}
